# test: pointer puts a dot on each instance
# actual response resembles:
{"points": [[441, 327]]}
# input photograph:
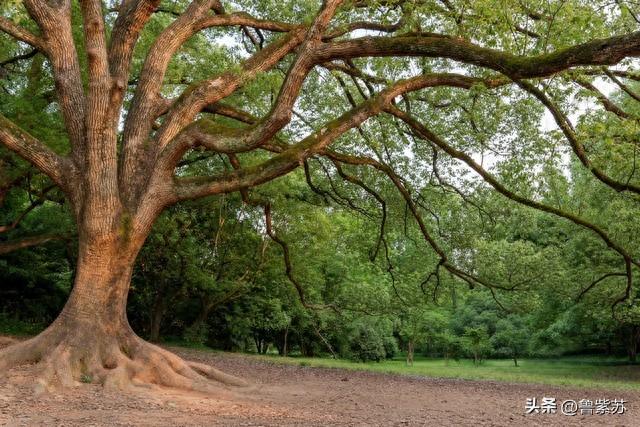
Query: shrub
{"points": [[196, 335], [390, 346], [366, 344]]}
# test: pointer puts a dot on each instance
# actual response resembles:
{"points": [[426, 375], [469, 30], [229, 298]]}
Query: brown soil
{"points": [[300, 396]]}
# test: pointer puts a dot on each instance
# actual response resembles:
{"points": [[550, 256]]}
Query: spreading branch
{"points": [[27, 242], [597, 52], [578, 148], [59, 168], [428, 135], [21, 34]]}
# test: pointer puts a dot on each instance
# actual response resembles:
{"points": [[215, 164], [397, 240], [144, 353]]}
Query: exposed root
{"points": [[123, 363], [20, 353], [6, 341], [217, 375]]}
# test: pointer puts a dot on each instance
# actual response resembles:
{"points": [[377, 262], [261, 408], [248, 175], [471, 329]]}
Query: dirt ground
{"points": [[301, 396]]}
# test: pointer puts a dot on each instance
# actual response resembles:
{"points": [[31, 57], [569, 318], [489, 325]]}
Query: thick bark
{"points": [[91, 340]]}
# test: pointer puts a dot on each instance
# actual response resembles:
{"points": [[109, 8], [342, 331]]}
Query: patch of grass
{"points": [[591, 372], [177, 342], [15, 327]]}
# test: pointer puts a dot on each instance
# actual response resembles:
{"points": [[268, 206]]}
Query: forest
{"points": [[210, 274], [360, 180]]}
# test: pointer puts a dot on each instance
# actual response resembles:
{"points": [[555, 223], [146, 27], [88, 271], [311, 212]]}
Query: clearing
{"points": [[293, 395]]}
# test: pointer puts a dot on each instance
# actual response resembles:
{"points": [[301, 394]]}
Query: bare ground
{"points": [[301, 396]]}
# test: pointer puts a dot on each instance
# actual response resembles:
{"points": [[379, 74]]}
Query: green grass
{"points": [[580, 372], [177, 342], [14, 327]]}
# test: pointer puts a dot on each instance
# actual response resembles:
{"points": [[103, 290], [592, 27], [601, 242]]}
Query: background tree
{"points": [[512, 337]]}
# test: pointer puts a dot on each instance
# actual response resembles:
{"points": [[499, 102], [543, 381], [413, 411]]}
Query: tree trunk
{"points": [[157, 314], [633, 341], [633, 354], [91, 339], [208, 304], [284, 346], [410, 353], [95, 313], [281, 342]]}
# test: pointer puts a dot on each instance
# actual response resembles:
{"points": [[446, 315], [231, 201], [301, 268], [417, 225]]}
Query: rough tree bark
{"points": [[119, 182]]}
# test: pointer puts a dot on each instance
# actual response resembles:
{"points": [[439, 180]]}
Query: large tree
{"points": [[128, 135]]}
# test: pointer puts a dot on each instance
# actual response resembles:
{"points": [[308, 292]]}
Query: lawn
{"points": [[582, 372], [579, 371]]}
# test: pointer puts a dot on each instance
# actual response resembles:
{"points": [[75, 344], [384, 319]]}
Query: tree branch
{"points": [[577, 147], [292, 157], [606, 102], [17, 58], [132, 17], [59, 47], [595, 282], [597, 52], [621, 85], [444, 261], [59, 168], [39, 201], [21, 34], [144, 109], [26, 242], [426, 134], [280, 114], [138, 160], [266, 207]]}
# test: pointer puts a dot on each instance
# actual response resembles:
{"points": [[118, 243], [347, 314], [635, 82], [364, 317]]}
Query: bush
{"points": [[14, 326], [366, 344], [196, 335], [390, 346]]}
